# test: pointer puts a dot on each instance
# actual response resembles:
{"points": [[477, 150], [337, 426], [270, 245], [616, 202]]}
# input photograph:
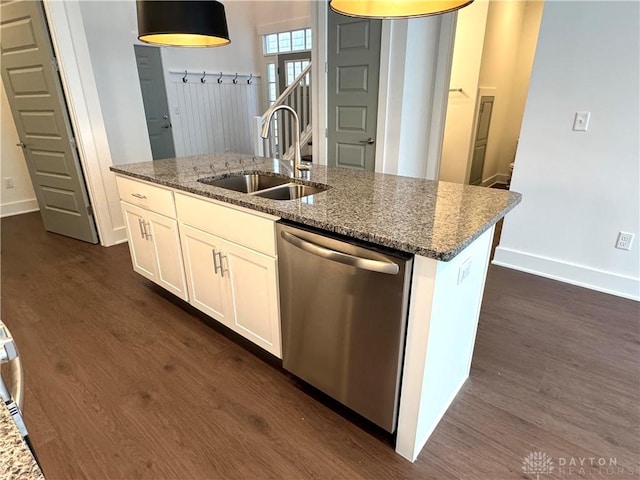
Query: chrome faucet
{"points": [[297, 165]]}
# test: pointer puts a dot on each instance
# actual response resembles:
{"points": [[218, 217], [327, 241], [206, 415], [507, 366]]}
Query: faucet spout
{"points": [[297, 166]]}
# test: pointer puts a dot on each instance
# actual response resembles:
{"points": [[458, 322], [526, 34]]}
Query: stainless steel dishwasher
{"points": [[344, 312]]}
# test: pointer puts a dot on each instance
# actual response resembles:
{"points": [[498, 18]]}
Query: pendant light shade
{"points": [[186, 23], [389, 9]]}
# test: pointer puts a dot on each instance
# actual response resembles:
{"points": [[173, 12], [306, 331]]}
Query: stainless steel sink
{"points": [[247, 183], [290, 191]]}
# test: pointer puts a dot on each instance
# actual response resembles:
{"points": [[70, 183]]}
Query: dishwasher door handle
{"points": [[351, 260]]}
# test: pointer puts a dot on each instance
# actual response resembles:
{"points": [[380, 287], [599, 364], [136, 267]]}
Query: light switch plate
{"points": [[581, 121]]}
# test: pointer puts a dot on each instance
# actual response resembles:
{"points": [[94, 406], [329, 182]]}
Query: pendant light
{"points": [[389, 9], [186, 23]]}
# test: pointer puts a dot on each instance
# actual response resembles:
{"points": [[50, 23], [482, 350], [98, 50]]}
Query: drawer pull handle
{"points": [[139, 195]]}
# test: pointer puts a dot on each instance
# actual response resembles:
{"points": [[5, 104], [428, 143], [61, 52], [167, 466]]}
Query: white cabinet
{"points": [[219, 258], [209, 290], [254, 296], [149, 214], [236, 285]]}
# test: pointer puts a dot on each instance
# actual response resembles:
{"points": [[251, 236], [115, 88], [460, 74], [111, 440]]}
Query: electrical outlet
{"points": [[464, 270], [625, 239], [8, 182], [581, 121]]}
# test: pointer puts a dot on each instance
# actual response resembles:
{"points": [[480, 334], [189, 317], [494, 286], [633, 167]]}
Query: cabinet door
{"points": [[254, 295], [208, 290], [141, 248], [166, 245]]}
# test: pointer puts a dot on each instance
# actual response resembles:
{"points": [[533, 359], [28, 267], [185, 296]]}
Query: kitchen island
{"points": [[448, 227]]}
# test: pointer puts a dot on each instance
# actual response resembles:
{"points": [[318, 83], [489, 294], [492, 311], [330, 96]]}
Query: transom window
{"points": [[292, 41]]}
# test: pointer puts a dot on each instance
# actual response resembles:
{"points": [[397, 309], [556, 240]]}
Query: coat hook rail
{"points": [[203, 74]]}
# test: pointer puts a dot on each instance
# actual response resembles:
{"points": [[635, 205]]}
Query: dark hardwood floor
{"points": [[122, 383]]}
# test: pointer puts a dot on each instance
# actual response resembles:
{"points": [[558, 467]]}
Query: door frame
{"points": [[482, 92], [78, 82], [137, 49]]}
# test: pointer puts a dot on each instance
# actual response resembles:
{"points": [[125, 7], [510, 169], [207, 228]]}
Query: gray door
{"points": [[154, 97], [480, 143], [353, 75], [38, 107]]}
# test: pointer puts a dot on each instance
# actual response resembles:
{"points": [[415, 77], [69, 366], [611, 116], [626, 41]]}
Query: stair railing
{"points": [[280, 142]]}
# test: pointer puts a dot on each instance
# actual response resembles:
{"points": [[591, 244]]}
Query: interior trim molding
{"points": [[78, 81], [17, 208], [497, 178], [579, 275]]}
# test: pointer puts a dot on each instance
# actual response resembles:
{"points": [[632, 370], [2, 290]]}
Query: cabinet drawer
{"points": [[240, 227], [151, 197]]}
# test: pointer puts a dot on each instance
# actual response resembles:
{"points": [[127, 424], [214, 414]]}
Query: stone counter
{"points": [[16, 460], [429, 218]]}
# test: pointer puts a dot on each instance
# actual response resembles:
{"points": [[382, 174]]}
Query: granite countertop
{"points": [[424, 217], [16, 460]]}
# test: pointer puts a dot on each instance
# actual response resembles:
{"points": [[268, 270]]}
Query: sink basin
{"points": [[289, 191], [247, 183]]}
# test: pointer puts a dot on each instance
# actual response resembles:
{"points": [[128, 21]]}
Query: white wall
{"points": [[111, 31], [494, 48], [465, 74], [21, 198], [415, 66], [519, 88], [580, 188], [241, 55], [509, 47], [111, 47]]}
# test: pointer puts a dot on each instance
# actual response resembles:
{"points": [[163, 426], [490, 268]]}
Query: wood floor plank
{"points": [[125, 382]]}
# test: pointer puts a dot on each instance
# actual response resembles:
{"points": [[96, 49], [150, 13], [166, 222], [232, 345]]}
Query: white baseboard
{"points": [[580, 275], [17, 208], [497, 178]]}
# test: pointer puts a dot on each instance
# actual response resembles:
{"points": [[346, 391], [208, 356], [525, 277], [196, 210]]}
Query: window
{"points": [[294, 68], [292, 41]]}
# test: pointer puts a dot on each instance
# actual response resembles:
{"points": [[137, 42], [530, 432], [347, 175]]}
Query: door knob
{"points": [[166, 126], [21, 144], [368, 141]]}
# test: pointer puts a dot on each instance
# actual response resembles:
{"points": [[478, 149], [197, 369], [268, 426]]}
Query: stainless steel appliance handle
{"points": [[351, 260], [11, 355]]}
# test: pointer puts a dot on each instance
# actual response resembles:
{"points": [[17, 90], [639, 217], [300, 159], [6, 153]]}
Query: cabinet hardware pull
{"points": [[139, 195], [215, 262], [141, 225], [222, 269]]}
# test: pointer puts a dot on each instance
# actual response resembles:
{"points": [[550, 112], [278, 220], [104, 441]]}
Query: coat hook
{"points": [[220, 78], [204, 74], [184, 79], [235, 80], [249, 80]]}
